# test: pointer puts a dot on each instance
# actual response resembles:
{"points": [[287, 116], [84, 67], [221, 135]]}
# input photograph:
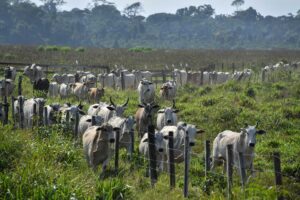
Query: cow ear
{"points": [[155, 106], [260, 132], [200, 131], [175, 110], [89, 120], [81, 112], [140, 106], [161, 111], [95, 106], [110, 107]]}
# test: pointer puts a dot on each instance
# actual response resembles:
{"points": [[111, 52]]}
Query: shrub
{"points": [[140, 49], [41, 48], [65, 49], [80, 49]]}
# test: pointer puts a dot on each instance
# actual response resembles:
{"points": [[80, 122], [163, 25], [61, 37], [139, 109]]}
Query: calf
{"points": [[143, 117], [167, 116], [94, 94], [96, 141], [243, 142], [86, 121]]}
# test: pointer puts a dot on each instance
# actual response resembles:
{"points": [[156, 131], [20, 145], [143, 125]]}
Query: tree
{"points": [[238, 3], [51, 5], [133, 9]]}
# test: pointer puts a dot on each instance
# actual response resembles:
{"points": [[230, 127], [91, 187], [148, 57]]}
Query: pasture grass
{"points": [[46, 163]]}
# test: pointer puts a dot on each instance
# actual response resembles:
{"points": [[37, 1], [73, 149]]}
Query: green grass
{"points": [[46, 163]]}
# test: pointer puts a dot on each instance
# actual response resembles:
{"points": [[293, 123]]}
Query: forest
{"points": [[102, 25]]}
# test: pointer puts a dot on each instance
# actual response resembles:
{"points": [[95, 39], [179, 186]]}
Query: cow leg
{"points": [[104, 167]]}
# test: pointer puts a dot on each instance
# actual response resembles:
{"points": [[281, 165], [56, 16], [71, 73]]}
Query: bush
{"points": [[51, 48], [41, 48], [140, 49], [65, 49], [80, 49]]}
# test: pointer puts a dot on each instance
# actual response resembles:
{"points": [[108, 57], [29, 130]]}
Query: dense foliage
{"points": [[23, 22]]}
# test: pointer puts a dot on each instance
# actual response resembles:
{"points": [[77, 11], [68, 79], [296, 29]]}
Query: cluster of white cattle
{"points": [[268, 71]]}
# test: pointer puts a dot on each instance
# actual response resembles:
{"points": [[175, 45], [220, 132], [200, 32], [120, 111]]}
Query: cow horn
{"points": [[174, 106], [111, 102], [125, 104]]}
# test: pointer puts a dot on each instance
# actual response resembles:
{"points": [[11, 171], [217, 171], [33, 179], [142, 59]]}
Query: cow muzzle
{"points": [[112, 140], [252, 144], [160, 150], [169, 121], [192, 144]]}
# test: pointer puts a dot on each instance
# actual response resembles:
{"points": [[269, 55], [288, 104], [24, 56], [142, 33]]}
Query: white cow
{"points": [[129, 81], [7, 87], [80, 90], [10, 72], [29, 110], [108, 111], [168, 90], [96, 141], [243, 142], [65, 90], [72, 110], [126, 126], [107, 80], [54, 89], [57, 78], [166, 117], [86, 121], [146, 91], [33, 72], [52, 113], [180, 77], [159, 147]]}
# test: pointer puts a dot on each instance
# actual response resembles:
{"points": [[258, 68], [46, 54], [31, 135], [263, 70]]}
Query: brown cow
{"points": [[94, 94]]}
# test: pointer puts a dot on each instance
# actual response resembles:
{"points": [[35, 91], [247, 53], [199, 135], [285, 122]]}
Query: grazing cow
{"points": [[68, 78], [10, 72], [139, 75], [52, 113], [179, 133], [168, 90], [86, 121], [96, 141], [180, 77], [64, 90], [125, 125], [54, 88], [41, 84], [57, 78], [80, 90], [72, 109], [243, 142], [206, 78], [6, 87], [107, 111], [146, 91], [159, 147], [90, 78], [17, 106], [33, 72], [94, 94], [29, 110], [167, 117], [143, 117]]}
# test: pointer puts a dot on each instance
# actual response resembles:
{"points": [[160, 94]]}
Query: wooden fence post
{"points": [[152, 154], [263, 75], [67, 119], [13, 111], [233, 67], [1, 113], [41, 110], [132, 143], [122, 81], [229, 162], [242, 169], [163, 76], [117, 150], [222, 67], [186, 164], [277, 170], [34, 116], [46, 116], [6, 110], [93, 120], [21, 112], [171, 160], [207, 157], [201, 76], [76, 125]]}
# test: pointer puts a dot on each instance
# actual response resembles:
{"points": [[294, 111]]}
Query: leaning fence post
{"points": [[20, 86], [207, 157], [6, 110], [117, 150], [171, 160], [41, 109], [277, 170], [152, 154], [13, 111], [46, 116], [131, 133], [242, 169], [21, 112], [229, 162], [186, 164]]}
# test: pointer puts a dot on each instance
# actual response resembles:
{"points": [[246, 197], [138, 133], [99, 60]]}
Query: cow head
{"points": [[105, 133], [128, 125], [118, 108], [191, 130], [170, 114], [148, 109], [98, 120], [159, 141], [249, 134]]}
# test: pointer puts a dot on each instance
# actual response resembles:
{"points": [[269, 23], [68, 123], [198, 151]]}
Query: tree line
{"points": [[103, 25]]}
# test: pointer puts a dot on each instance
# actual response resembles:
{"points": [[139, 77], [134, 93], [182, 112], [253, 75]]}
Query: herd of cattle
{"points": [[97, 126]]}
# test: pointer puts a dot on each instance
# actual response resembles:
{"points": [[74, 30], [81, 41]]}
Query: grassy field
{"points": [[152, 58], [45, 163]]}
